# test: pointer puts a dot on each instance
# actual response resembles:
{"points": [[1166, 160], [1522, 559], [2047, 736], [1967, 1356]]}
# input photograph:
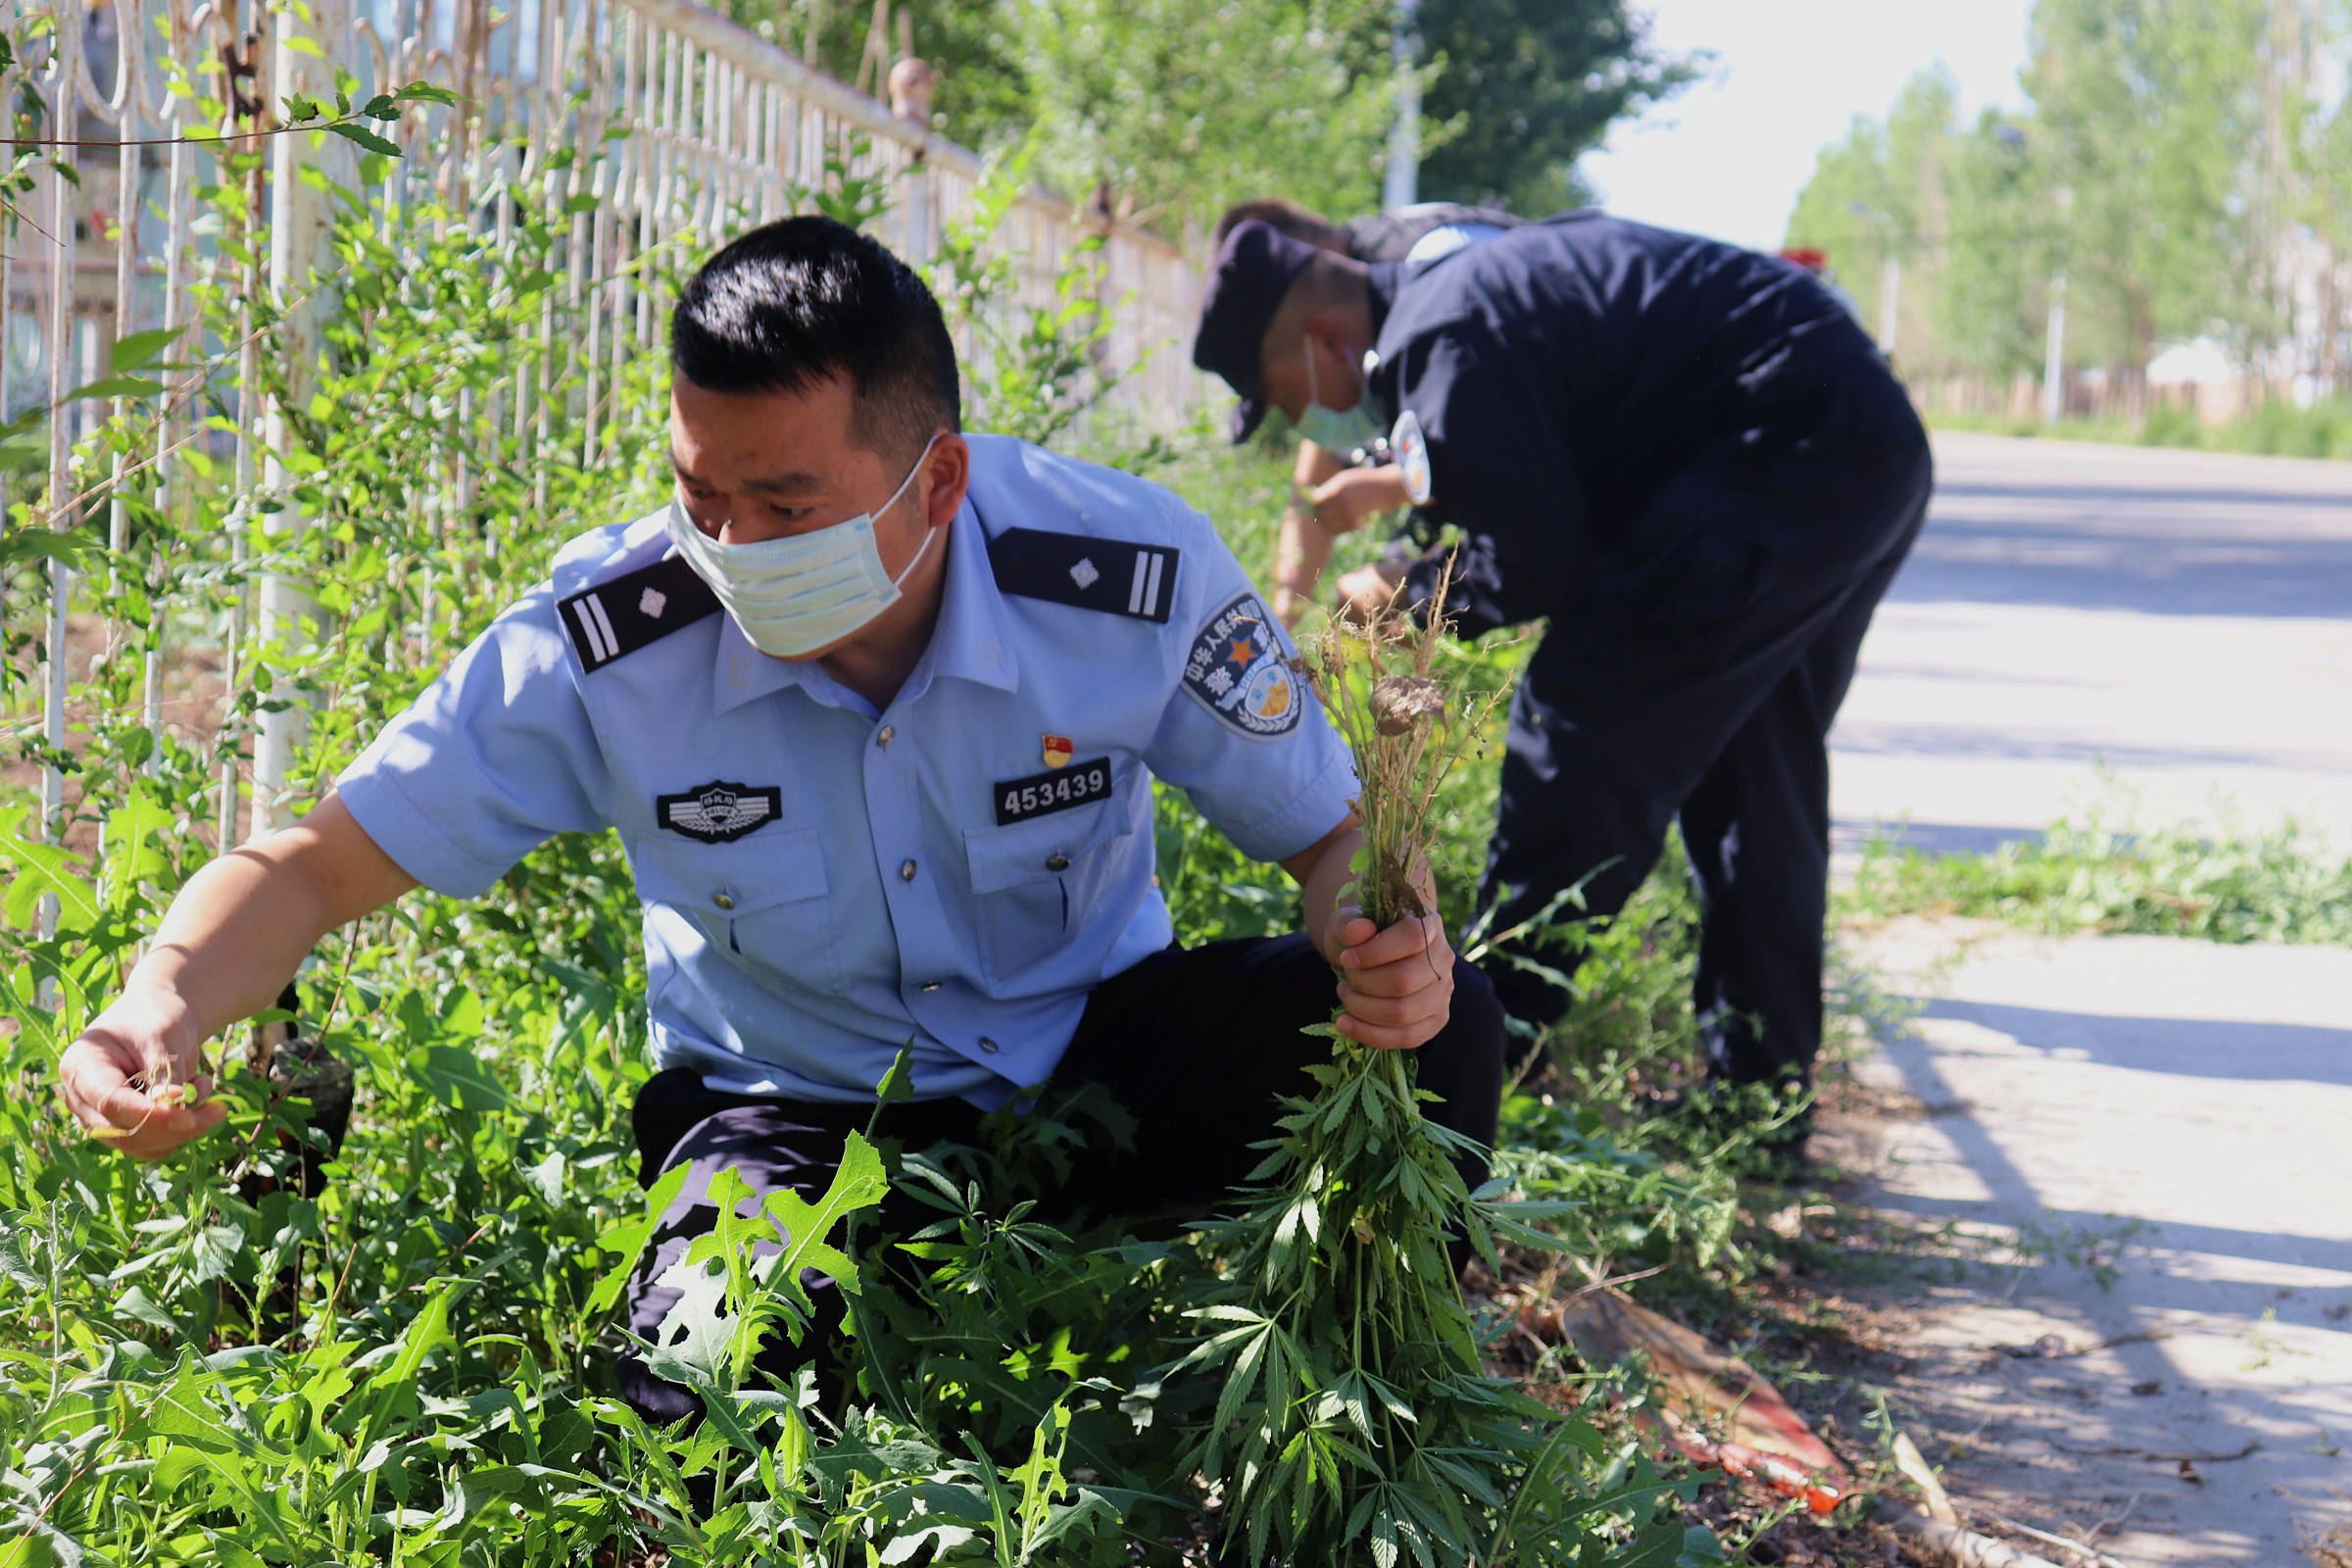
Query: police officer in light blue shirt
{"points": [[877, 709]]}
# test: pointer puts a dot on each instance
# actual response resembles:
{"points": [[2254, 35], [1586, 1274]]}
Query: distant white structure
{"points": [[2201, 363]]}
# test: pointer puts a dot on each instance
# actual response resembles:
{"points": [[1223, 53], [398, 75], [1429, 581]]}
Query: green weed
{"points": [[2097, 1249], [2281, 884], [2275, 428]]}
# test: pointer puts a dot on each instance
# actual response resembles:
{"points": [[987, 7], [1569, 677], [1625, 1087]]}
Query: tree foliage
{"points": [[1175, 109], [1526, 88], [1182, 106], [1882, 189], [2175, 160], [2149, 118]]}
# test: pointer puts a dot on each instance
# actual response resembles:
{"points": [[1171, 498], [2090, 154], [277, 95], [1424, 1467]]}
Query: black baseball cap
{"points": [[1254, 268]]}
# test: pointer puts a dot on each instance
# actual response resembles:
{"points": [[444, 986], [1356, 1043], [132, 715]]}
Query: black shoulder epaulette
{"points": [[634, 611], [1074, 569]]}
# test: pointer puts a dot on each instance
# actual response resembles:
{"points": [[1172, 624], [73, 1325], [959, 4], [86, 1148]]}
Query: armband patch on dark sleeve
{"points": [[634, 611], [1112, 575]]}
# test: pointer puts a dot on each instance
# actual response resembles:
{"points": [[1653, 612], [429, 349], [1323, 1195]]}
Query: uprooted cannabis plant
{"points": [[1357, 1418]]}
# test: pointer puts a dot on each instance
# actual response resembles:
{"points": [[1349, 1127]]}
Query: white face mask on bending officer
{"points": [[803, 592]]}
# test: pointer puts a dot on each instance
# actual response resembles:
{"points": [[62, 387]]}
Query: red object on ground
{"points": [[1715, 1409]]}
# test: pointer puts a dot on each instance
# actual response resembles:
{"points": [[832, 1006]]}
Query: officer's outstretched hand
{"points": [[132, 1078], [1368, 593], [1396, 985], [1347, 497]]}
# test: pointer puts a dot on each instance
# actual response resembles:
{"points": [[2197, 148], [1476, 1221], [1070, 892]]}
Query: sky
{"points": [[1728, 157]]}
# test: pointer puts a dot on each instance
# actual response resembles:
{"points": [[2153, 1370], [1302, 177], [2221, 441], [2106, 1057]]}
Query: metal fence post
{"points": [[65, 101], [911, 84], [299, 257]]}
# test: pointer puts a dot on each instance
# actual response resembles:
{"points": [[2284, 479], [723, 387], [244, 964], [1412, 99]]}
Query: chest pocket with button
{"points": [[760, 901], [1035, 884]]}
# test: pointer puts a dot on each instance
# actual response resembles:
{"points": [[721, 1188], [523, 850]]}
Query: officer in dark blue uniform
{"points": [[1692, 462], [1333, 481]]}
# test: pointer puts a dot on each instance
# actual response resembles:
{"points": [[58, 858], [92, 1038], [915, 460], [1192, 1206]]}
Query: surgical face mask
{"points": [[1339, 432], [796, 594]]}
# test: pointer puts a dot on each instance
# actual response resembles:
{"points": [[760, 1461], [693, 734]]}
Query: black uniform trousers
{"points": [[1699, 679], [1195, 1044]]}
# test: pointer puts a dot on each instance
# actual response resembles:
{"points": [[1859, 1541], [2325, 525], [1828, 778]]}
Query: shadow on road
{"points": [[2085, 567], [2238, 1051], [1930, 838], [1866, 738]]}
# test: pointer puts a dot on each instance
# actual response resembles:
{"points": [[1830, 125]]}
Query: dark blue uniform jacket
{"points": [[1568, 373]]}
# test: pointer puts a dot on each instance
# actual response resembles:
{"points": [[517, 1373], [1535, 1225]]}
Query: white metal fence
{"points": [[711, 129]]}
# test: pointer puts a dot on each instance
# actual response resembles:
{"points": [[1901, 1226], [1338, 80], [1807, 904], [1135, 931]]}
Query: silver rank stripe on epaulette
{"points": [[596, 629], [1143, 597], [1084, 572], [621, 614]]}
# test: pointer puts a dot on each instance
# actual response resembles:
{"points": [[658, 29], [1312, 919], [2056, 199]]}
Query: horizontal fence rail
{"points": [[699, 129]]}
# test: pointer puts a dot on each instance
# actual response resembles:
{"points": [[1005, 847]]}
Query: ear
{"points": [[946, 475]]}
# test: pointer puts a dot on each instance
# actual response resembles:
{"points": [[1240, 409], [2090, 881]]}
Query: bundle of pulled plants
{"points": [[1355, 1418]]}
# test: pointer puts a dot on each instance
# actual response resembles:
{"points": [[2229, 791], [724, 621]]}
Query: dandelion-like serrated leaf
{"points": [[691, 1344]]}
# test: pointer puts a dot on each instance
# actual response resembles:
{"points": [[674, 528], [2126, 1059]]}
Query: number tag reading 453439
{"points": [[1058, 788]]}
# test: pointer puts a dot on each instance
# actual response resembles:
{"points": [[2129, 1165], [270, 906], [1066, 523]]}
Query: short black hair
{"points": [[799, 301]]}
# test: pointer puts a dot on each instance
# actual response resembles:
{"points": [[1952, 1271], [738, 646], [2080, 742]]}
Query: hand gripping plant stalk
{"points": [[1356, 1422]]}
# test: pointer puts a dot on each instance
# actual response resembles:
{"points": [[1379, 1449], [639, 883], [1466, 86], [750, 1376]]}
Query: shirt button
{"points": [[907, 870], [885, 736], [930, 985], [739, 671], [1059, 863], [725, 901], [987, 1045]]}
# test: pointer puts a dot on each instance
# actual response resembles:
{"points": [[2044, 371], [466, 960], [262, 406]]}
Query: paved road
{"points": [[2145, 1145], [2149, 1140], [2183, 618]]}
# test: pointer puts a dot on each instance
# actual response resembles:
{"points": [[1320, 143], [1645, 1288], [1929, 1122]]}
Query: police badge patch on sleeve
{"points": [[1410, 449], [718, 812], [1237, 671]]}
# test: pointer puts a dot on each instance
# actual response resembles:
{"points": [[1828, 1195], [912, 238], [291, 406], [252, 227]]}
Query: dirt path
{"points": [[2124, 1164]]}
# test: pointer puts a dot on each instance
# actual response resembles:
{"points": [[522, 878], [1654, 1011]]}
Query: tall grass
{"points": [[2277, 885], [2277, 429]]}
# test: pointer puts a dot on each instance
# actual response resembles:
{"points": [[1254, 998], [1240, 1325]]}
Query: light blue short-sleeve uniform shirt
{"points": [[825, 884]]}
